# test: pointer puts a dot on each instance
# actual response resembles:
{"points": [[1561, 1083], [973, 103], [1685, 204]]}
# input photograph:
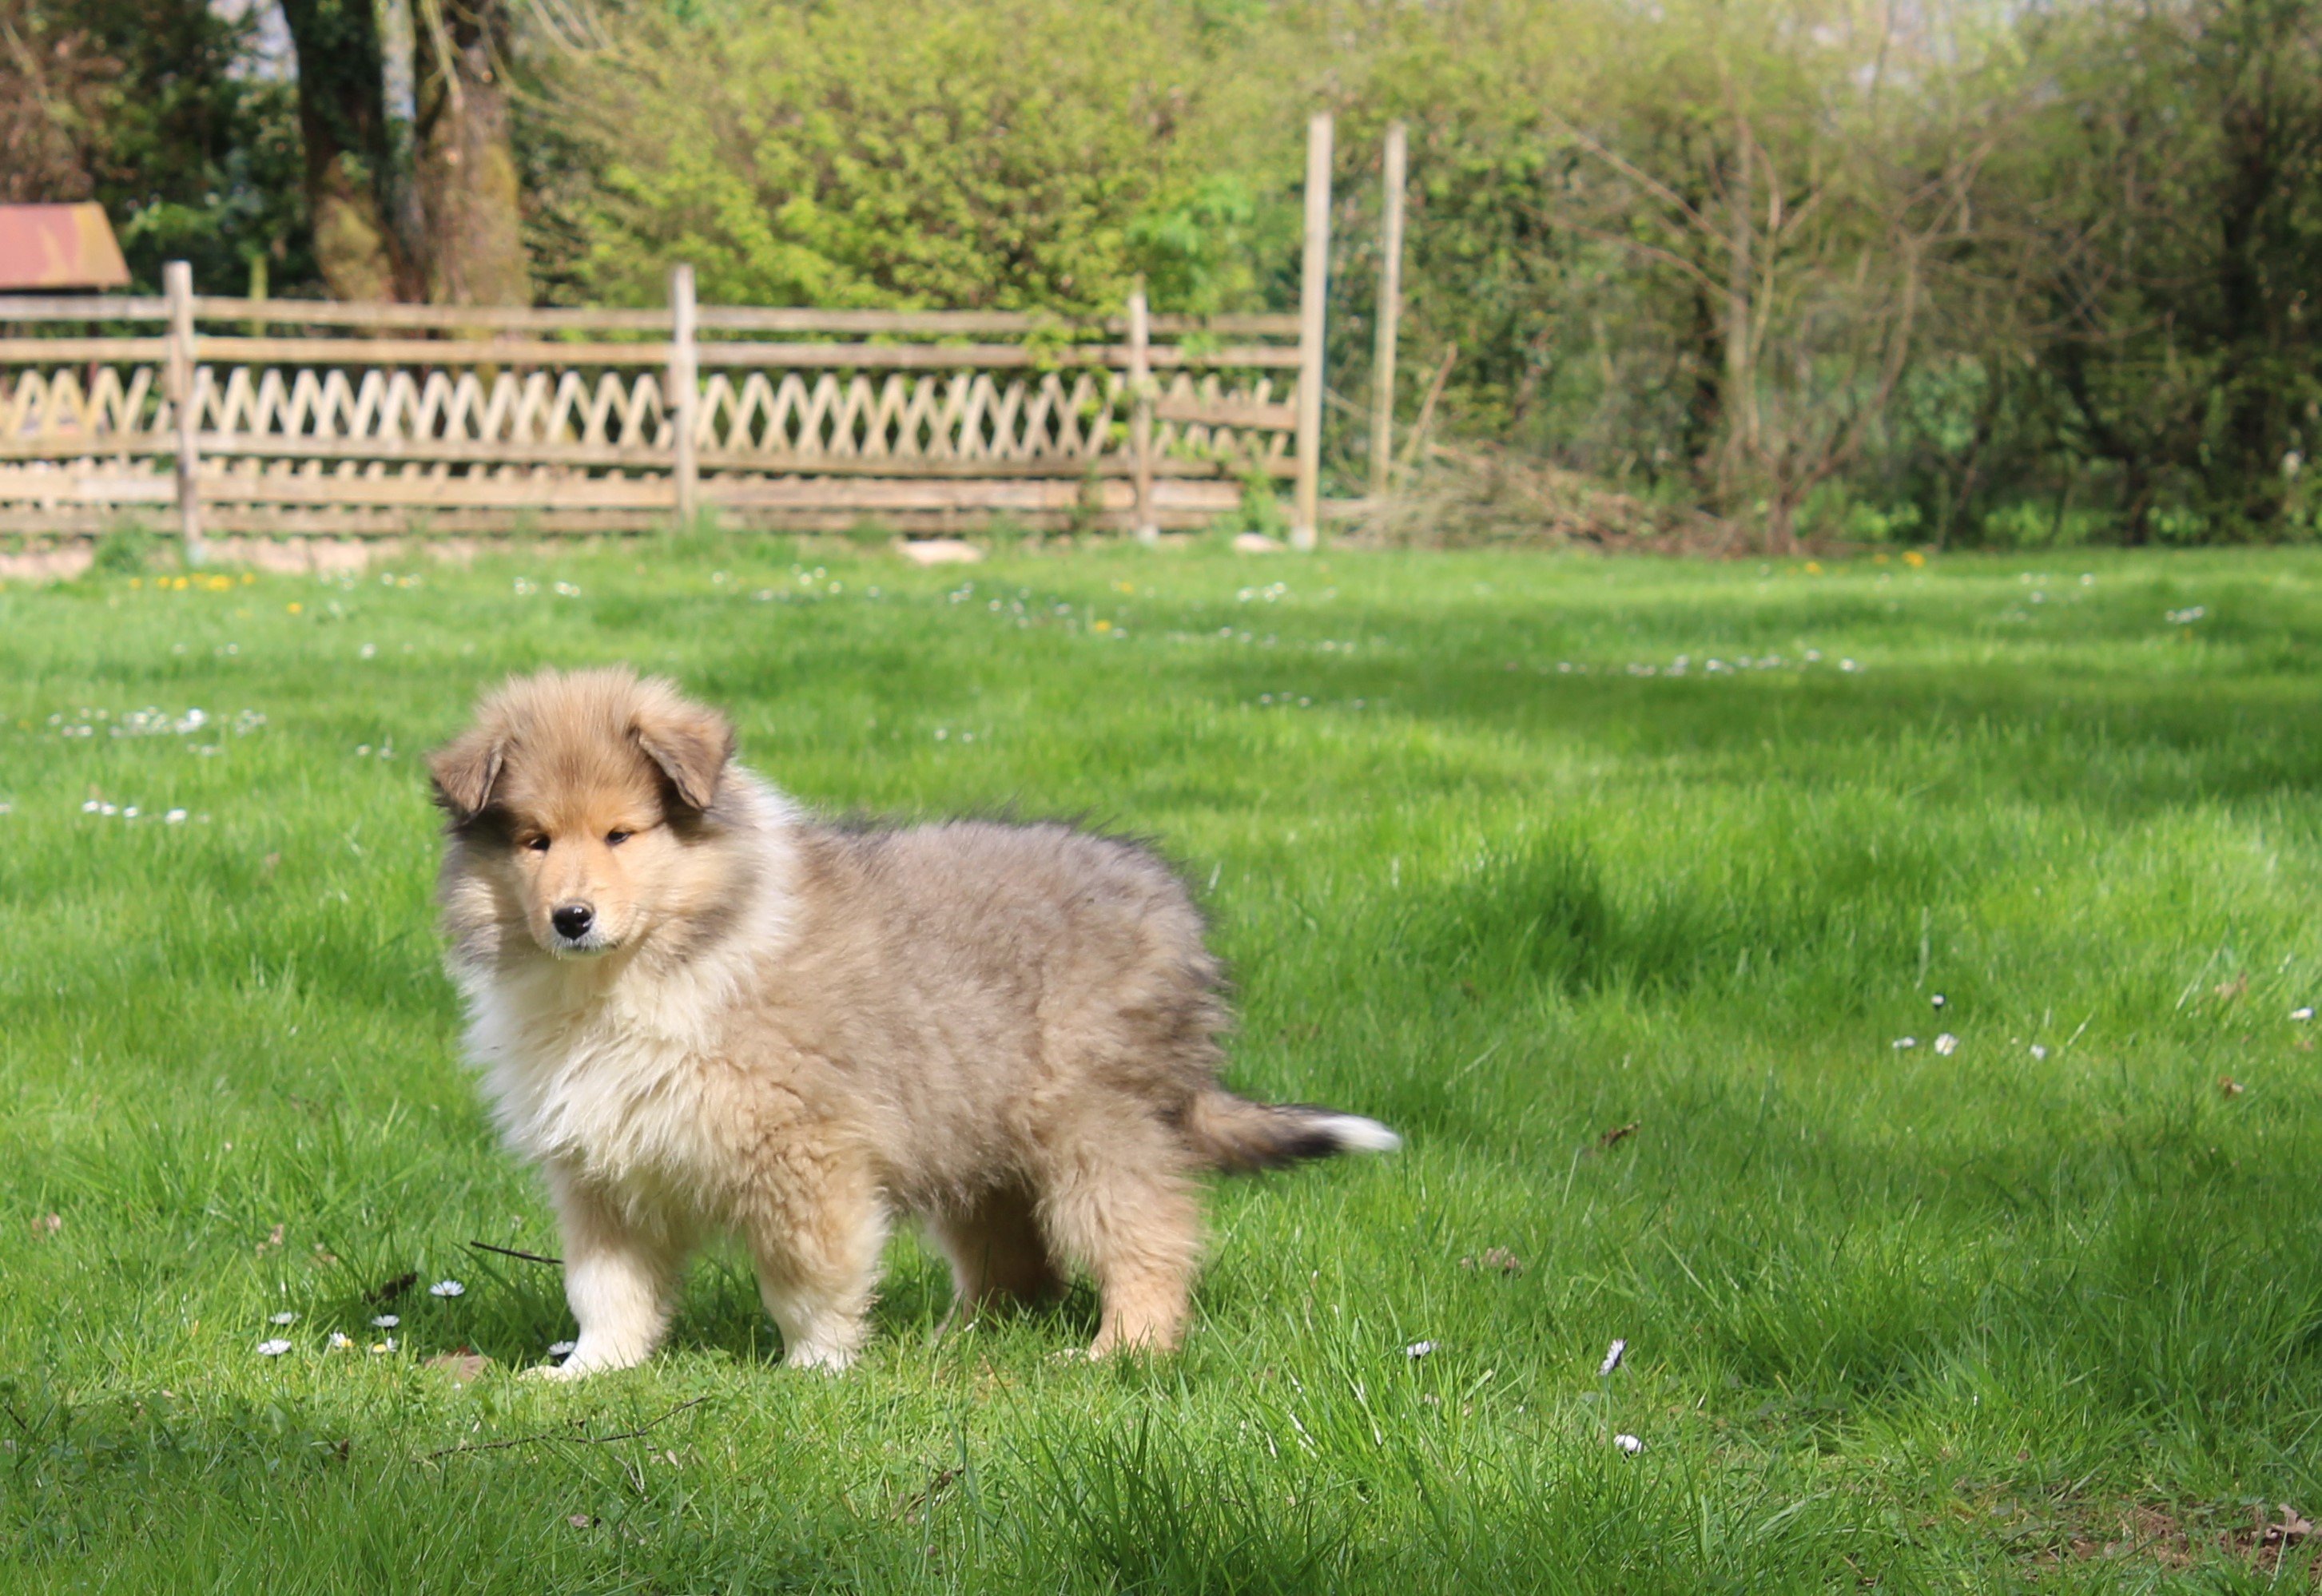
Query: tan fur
{"points": [[797, 1033]]}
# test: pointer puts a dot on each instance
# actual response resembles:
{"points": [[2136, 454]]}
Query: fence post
{"points": [[1313, 287], [684, 406], [1390, 311], [1140, 412], [177, 287]]}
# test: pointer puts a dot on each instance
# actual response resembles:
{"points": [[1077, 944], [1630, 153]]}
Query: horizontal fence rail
{"points": [[287, 417]]}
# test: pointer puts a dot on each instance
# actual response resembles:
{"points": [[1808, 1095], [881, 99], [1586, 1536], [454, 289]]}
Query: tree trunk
{"points": [[467, 182], [1702, 428], [348, 158]]}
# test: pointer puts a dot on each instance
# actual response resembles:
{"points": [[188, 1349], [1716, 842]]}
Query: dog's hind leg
{"points": [[818, 1266], [996, 1254], [1118, 1204], [618, 1277]]}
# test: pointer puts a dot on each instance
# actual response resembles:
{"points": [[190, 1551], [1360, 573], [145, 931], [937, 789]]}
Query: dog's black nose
{"points": [[571, 920]]}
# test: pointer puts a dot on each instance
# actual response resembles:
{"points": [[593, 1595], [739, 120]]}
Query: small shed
{"points": [[50, 247]]}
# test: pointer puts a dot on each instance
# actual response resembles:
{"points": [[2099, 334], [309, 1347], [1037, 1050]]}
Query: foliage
{"points": [[152, 107], [2169, 203], [902, 153], [1826, 269]]}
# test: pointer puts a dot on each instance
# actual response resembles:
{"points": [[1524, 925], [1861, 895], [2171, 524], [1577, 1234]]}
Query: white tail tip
{"points": [[1354, 1134]]}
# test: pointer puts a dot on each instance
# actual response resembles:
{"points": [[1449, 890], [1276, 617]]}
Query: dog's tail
{"points": [[1236, 1135]]}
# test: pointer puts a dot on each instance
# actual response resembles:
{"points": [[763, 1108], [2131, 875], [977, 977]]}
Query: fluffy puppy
{"points": [[699, 1010]]}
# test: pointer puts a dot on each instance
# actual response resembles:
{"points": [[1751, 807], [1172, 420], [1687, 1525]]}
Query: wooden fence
{"points": [[291, 417]]}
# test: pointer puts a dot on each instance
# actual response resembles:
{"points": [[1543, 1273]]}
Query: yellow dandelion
{"points": [[136, 581], [296, 609], [1104, 625], [1813, 568], [1913, 559]]}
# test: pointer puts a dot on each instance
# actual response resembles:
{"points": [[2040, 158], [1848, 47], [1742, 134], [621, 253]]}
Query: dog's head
{"points": [[581, 796]]}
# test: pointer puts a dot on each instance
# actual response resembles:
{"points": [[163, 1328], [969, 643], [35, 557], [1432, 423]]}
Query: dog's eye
{"points": [[538, 845], [613, 839]]}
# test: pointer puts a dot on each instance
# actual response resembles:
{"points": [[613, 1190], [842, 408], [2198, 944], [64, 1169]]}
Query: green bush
{"points": [[907, 154]]}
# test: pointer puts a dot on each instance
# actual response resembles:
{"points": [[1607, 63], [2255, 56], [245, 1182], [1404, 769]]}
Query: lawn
{"points": [[1617, 886]]}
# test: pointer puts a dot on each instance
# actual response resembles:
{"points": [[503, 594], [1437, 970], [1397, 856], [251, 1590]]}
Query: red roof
{"points": [[59, 247]]}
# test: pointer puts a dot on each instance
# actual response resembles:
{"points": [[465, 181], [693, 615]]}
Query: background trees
{"points": [[1822, 267]]}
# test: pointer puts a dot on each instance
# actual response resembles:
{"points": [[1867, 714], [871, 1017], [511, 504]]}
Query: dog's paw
{"points": [[556, 1371], [826, 1360]]}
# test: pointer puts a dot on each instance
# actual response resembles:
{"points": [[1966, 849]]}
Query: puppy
{"points": [[699, 1010]]}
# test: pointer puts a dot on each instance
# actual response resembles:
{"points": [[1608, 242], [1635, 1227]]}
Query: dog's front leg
{"points": [[816, 1246], [618, 1277]]}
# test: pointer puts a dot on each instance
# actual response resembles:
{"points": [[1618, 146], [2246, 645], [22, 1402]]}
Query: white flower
{"points": [[1940, 1001], [385, 1321], [369, 651], [2039, 1051], [2301, 1014], [1947, 1044], [446, 1287], [380, 1346], [340, 1340], [1612, 1356], [562, 1349], [1629, 1444], [272, 1349], [285, 1317], [174, 817], [1903, 1042], [1419, 1349]]}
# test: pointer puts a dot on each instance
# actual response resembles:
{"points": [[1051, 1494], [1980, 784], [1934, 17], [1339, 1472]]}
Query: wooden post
{"points": [[1390, 311], [1140, 412], [682, 410], [1313, 287], [177, 287]]}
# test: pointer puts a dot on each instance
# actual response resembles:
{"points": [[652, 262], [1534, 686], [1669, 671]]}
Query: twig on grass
{"points": [[388, 1291], [485, 1246], [560, 1435]]}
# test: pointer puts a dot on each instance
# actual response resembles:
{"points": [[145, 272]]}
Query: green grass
{"points": [[1894, 1316]]}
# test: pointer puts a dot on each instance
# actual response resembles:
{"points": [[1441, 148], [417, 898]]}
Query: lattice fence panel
{"points": [[112, 406]]}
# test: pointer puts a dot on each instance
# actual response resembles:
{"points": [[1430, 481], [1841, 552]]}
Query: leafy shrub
{"points": [[905, 153]]}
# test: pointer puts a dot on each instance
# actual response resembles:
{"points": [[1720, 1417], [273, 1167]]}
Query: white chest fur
{"points": [[617, 1074]]}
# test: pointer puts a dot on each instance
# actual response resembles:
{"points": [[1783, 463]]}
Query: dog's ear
{"points": [[465, 771], [691, 744]]}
